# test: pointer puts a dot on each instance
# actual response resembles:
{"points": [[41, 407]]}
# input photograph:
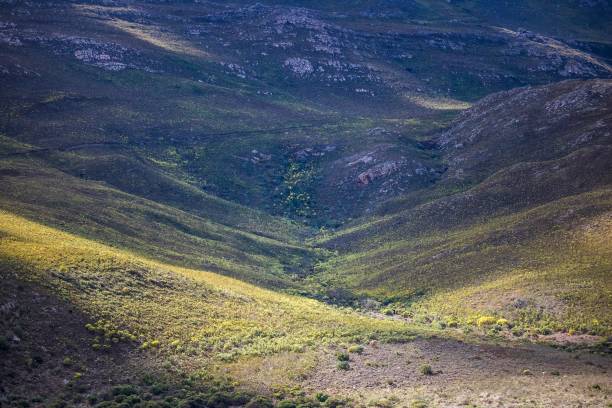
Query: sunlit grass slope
{"points": [[548, 266], [176, 309], [222, 236], [518, 227]]}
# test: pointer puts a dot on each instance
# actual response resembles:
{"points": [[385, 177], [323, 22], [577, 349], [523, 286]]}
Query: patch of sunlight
{"points": [[153, 35], [559, 48], [438, 103]]}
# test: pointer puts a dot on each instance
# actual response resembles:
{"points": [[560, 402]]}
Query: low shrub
{"points": [[343, 365], [343, 356], [486, 321], [321, 397], [517, 331], [259, 402], [503, 322], [355, 349], [426, 369], [125, 389]]}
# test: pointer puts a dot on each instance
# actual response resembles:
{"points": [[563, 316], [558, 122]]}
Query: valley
{"points": [[305, 204]]}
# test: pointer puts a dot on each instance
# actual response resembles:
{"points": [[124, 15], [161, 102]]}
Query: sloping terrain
{"points": [[305, 203], [526, 237], [194, 318], [253, 102]]}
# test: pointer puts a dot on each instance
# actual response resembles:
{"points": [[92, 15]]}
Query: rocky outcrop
{"points": [[380, 170], [299, 66], [529, 124]]}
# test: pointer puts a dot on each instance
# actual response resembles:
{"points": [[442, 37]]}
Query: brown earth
{"points": [[482, 375]]}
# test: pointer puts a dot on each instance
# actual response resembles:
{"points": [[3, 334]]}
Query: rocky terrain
{"points": [[293, 203]]}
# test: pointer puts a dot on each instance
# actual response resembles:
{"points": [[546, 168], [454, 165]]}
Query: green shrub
{"points": [[343, 365], [426, 369], [440, 325], [259, 402], [486, 321], [388, 311], [158, 389], [321, 397], [502, 322], [517, 331], [384, 403], [544, 330], [343, 356], [126, 389], [453, 323]]}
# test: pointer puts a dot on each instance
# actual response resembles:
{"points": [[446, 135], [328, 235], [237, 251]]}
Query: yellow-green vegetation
{"points": [[486, 321], [356, 348], [426, 369], [163, 306], [542, 269], [224, 237]]}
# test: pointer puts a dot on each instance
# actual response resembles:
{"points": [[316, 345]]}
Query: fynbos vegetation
{"points": [[293, 203]]}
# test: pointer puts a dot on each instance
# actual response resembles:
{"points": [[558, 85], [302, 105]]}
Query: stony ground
{"points": [[468, 375]]}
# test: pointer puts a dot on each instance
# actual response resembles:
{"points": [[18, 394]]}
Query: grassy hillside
{"points": [[528, 242], [265, 204], [226, 97], [193, 318], [254, 246]]}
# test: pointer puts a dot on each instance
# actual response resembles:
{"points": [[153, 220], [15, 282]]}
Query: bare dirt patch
{"points": [[464, 374]]}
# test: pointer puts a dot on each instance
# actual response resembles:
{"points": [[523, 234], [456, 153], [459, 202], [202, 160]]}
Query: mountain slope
{"points": [[220, 235], [289, 203], [533, 226], [173, 83]]}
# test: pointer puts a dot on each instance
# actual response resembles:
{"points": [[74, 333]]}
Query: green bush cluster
{"points": [[296, 196], [200, 390], [108, 334], [343, 356]]}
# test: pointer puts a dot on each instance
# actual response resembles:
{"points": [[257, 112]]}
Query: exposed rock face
{"points": [[311, 48], [99, 59], [308, 153], [299, 66], [555, 56], [380, 170], [537, 123], [259, 157]]}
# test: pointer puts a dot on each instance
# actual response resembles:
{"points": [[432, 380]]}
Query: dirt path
{"points": [[464, 374]]}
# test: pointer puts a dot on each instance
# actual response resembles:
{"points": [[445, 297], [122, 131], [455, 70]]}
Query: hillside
{"points": [[296, 90], [529, 224], [287, 203]]}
